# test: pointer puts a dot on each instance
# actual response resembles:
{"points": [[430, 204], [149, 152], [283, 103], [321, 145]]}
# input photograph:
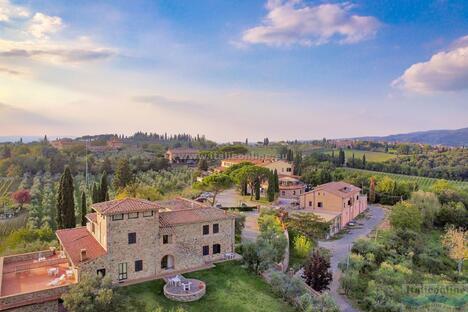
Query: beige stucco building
{"points": [[130, 240], [339, 202]]}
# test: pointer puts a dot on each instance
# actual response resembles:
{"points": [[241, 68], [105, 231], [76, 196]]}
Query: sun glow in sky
{"points": [[284, 69]]}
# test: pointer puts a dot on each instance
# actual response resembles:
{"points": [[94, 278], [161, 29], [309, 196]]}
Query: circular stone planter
{"points": [[177, 293]]}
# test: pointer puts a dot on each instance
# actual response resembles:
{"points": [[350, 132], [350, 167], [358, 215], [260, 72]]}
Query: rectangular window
{"points": [[138, 265], [216, 249], [133, 215], [165, 239], [148, 213], [132, 238], [310, 203], [122, 271], [206, 229], [117, 217], [93, 227], [206, 250], [216, 228], [319, 204], [101, 272], [288, 169]]}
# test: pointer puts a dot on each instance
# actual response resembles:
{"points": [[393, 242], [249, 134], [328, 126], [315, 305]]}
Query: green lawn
{"points": [[370, 156], [229, 288]]}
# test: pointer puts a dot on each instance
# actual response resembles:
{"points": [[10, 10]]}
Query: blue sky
{"points": [[233, 69]]}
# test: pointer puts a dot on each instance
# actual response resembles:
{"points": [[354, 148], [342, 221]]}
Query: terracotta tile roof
{"points": [[338, 188], [254, 160], [182, 150], [124, 206], [179, 203], [92, 217], [184, 211], [196, 215], [74, 240], [292, 187]]}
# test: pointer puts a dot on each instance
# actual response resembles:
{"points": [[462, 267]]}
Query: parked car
{"points": [[218, 205], [201, 199], [351, 223]]}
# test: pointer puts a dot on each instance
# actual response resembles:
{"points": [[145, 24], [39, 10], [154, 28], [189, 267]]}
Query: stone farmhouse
{"points": [[290, 187], [130, 240], [182, 155], [336, 202], [282, 167]]}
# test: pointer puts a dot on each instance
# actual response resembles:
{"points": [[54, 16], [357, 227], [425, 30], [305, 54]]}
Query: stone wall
{"points": [[26, 256], [188, 241], [49, 306], [32, 298]]}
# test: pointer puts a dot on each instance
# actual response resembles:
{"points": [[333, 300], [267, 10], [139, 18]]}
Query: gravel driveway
{"points": [[339, 249]]}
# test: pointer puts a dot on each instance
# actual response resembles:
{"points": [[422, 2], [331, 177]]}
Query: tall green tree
{"points": [[95, 193], [123, 175], [271, 188], [84, 208], [103, 188], [276, 180], [65, 201], [364, 161], [341, 157]]}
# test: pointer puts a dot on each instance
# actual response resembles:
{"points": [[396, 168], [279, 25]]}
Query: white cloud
{"points": [[9, 11], [290, 22], [445, 71], [42, 24]]}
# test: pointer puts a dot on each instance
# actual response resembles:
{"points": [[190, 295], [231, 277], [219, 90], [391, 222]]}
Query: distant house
{"points": [[290, 186], [282, 167], [65, 143], [341, 202], [129, 240], [182, 155]]}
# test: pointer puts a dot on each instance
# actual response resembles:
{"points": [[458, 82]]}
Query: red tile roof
{"points": [[92, 217], [338, 188], [196, 215], [74, 240], [179, 203], [124, 206]]}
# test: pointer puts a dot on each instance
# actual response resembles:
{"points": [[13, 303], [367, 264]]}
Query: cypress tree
{"points": [[103, 188], [257, 189], [364, 161], [341, 157], [84, 208], [95, 194], [276, 180], [271, 188], [372, 190], [352, 162], [65, 201]]}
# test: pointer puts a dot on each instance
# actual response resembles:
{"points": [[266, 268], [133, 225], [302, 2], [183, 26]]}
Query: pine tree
{"points": [[276, 181], [84, 208], [123, 174], [103, 188], [65, 201], [271, 188]]}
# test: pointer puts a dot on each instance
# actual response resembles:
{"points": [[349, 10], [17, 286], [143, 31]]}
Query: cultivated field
{"points": [[423, 182], [370, 156]]}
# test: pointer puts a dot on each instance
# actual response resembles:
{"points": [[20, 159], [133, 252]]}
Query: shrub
{"points": [[302, 246]]}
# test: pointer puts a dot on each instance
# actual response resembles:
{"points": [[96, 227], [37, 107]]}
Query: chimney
{"points": [[83, 255]]}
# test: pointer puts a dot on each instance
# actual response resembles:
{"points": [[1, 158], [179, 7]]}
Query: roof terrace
{"points": [[33, 276]]}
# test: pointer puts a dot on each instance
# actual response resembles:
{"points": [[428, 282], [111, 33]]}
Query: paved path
{"points": [[339, 249]]}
